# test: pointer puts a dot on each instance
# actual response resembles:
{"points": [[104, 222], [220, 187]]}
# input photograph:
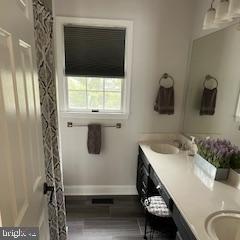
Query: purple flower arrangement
{"points": [[220, 153]]}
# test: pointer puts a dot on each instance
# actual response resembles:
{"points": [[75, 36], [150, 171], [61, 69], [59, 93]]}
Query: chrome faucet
{"points": [[178, 143]]}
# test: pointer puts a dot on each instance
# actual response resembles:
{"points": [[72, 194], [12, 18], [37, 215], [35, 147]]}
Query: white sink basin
{"points": [[224, 225], [164, 148]]}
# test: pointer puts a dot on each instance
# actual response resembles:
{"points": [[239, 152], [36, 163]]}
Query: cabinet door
{"points": [[178, 236], [183, 228]]}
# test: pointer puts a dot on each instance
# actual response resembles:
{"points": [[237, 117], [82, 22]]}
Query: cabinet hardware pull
{"points": [[47, 189]]}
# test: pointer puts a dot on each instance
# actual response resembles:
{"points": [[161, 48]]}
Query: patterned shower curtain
{"points": [[43, 26]]}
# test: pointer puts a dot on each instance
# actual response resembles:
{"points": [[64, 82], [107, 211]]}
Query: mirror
{"points": [[215, 66]]}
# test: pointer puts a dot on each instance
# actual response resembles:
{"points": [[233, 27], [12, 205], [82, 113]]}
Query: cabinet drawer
{"points": [[156, 181], [183, 228], [154, 177], [143, 194], [161, 189], [142, 179], [178, 236], [144, 159], [144, 171], [168, 200]]}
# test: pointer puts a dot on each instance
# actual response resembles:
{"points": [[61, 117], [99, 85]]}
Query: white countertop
{"points": [[195, 198]]}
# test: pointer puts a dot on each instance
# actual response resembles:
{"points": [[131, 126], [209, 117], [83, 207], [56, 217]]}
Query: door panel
{"points": [[22, 202], [8, 197], [27, 73]]}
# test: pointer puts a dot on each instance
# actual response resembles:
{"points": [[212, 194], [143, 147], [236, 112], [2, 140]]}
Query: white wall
{"points": [[162, 32]]}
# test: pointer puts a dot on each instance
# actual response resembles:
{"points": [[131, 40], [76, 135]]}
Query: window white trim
{"points": [[60, 63]]}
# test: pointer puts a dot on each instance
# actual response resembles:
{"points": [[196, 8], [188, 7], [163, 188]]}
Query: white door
{"points": [[22, 174]]}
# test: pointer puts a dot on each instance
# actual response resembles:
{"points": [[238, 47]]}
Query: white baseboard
{"points": [[100, 190]]}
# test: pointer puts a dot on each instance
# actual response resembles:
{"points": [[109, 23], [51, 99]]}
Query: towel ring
{"points": [[166, 76], [208, 78]]}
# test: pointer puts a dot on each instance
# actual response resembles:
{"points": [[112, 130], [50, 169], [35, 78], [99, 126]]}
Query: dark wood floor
{"points": [[122, 220]]}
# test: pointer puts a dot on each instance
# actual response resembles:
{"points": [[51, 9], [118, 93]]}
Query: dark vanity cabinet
{"points": [[149, 184], [142, 176], [184, 232]]}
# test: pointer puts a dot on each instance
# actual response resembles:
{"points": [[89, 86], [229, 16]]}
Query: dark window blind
{"points": [[94, 51]]}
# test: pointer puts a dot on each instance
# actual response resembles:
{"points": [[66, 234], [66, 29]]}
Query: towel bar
{"points": [[70, 124]]}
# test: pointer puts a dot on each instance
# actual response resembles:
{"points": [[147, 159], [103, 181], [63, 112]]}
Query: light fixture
{"points": [[209, 20], [234, 8], [222, 13]]}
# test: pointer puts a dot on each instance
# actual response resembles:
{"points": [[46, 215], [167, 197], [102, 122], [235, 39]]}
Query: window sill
{"points": [[69, 114]]}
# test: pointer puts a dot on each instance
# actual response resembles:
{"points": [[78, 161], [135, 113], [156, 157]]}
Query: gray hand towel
{"points": [[208, 103], [164, 103], [94, 139]]}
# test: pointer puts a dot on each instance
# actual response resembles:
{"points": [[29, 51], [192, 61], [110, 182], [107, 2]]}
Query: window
{"points": [[95, 94], [94, 66]]}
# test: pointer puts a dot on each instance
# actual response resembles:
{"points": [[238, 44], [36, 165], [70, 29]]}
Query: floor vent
{"points": [[102, 201]]}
